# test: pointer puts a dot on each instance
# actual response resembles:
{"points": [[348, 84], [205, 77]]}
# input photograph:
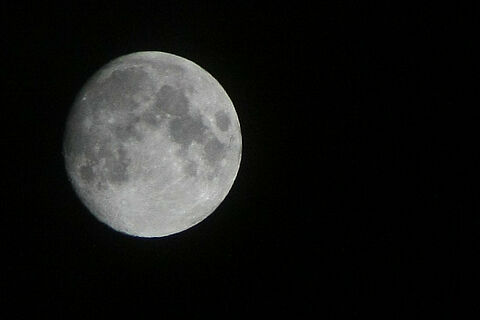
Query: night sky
{"points": [[355, 195]]}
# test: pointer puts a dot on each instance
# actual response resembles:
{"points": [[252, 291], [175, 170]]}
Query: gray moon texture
{"points": [[152, 144]]}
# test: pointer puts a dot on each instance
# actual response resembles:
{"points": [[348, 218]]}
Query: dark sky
{"points": [[355, 195]]}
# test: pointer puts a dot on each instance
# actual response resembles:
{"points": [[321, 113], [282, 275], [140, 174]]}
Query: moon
{"points": [[152, 144]]}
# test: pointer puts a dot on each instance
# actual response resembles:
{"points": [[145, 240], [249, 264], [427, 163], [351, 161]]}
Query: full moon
{"points": [[152, 144]]}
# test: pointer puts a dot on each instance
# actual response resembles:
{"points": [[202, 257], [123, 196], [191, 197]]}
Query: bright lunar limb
{"points": [[152, 144]]}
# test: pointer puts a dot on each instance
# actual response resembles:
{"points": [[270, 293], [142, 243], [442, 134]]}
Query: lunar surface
{"points": [[152, 144]]}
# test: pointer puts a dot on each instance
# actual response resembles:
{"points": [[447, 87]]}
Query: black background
{"points": [[355, 195]]}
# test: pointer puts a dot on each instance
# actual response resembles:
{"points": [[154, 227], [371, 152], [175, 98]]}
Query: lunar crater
{"points": [[86, 173], [214, 151], [185, 130], [222, 120], [128, 131], [172, 101], [191, 168], [124, 89]]}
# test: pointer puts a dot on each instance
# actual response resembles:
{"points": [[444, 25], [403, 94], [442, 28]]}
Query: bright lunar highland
{"points": [[152, 144]]}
